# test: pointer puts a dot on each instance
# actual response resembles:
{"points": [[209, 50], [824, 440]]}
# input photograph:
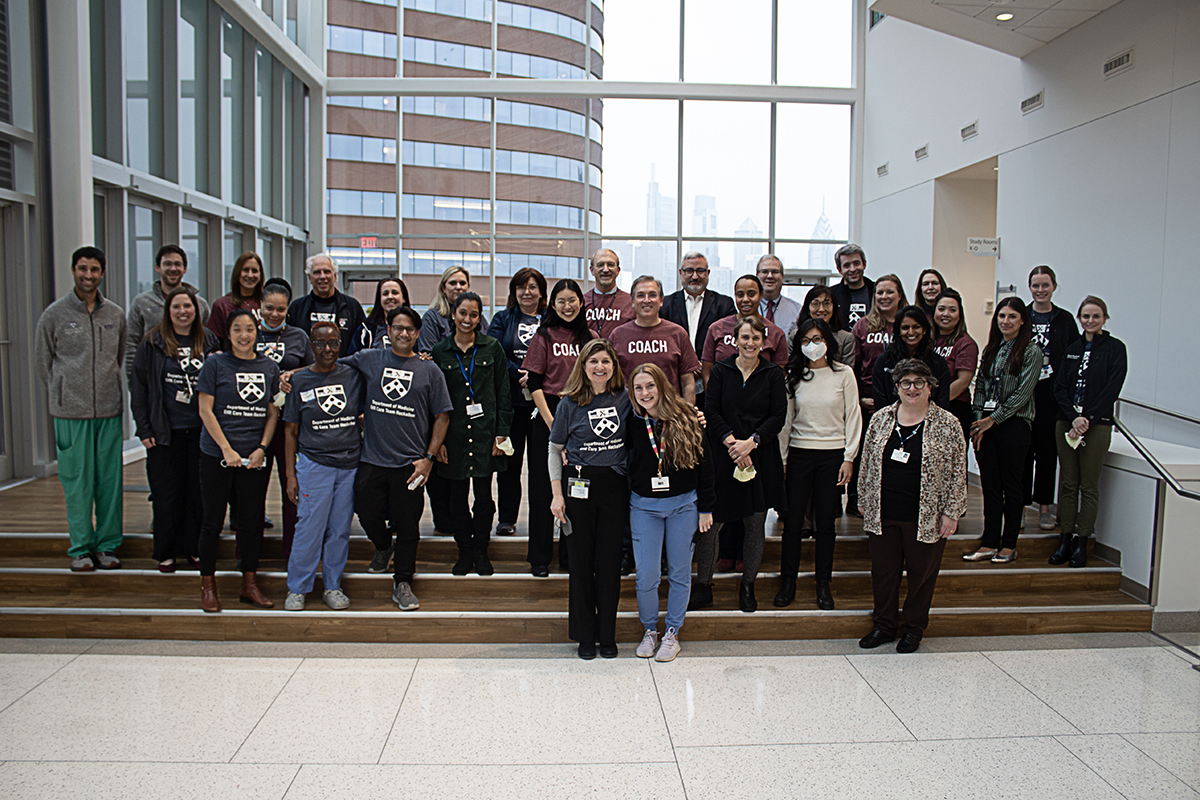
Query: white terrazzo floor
{"points": [[1088, 716]]}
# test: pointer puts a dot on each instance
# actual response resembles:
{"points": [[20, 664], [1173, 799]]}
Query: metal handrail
{"points": [[1162, 471]]}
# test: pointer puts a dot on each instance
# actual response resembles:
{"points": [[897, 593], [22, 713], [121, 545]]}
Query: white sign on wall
{"points": [[979, 246]]}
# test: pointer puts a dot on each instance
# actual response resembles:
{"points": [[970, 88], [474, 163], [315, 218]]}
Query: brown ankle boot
{"points": [[251, 595], [208, 594]]}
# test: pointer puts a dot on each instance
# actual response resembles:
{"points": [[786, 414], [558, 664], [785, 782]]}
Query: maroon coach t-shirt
{"points": [[553, 358], [720, 344], [666, 345], [604, 312]]}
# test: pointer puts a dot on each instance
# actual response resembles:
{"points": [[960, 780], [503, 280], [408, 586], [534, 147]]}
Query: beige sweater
{"points": [[824, 414]]}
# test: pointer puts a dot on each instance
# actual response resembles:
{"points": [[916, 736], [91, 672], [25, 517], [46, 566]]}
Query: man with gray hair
{"points": [[651, 339], [695, 306], [325, 303], [774, 306], [604, 305]]}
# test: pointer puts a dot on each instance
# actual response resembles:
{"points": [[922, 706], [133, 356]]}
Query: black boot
{"points": [[701, 596], [466, 560], [1063, 552], [787, 591], [746, 599], [1079, 552], [483, 565], [824, 596]]}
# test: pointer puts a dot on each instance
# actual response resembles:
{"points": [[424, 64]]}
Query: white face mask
{"points": [[813, 350]]}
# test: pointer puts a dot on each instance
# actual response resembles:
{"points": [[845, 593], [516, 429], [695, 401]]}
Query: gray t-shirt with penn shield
{"points": [[594, 434], [326, 406], [403, 395], [241, 392]]}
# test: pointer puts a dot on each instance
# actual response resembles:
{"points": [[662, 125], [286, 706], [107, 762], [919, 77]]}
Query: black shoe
{"points": [[587, 651], [787, 592], [824, 596], [808, 533], [1060, 556], [608, 651], [701, 596], [746, 599], [483, 564], [908, 643], [267, 523], [506, 529], [381, 559], [1079, 552], [627, 565], [874, 639], [466, 560], [540, 571]]}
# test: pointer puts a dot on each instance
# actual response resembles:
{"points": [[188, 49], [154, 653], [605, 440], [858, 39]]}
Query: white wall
{"points": [[1103, 183], [964, 208]]}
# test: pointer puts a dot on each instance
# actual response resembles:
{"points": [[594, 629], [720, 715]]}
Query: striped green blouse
{"points": [[1013, 393]]}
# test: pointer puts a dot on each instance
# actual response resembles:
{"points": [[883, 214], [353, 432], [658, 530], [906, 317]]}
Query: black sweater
{"points": [[884, 387], [641, 465], [146, 386], [1105, 377]]}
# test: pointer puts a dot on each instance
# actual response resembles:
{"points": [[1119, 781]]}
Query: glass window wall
{"points": [[233, 127], [142, 21], [193, 94]]}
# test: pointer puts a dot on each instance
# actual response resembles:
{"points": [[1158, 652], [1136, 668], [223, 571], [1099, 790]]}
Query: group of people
{"points": [[699, 411]]}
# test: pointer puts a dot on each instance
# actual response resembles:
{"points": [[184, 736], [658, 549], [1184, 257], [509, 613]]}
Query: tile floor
{"points": [[1084, 716]]}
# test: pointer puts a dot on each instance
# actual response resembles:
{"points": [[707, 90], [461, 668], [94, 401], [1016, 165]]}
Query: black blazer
{"points": [[716, 306]]}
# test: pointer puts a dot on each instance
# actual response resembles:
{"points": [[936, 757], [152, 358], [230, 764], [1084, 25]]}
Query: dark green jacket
{"points": [[469, 441]]}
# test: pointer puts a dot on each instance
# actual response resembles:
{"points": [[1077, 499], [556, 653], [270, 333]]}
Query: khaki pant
{"points": [[1079, 500]]}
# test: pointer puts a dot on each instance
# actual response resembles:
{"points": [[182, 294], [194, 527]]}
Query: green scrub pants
{"points": [[89, 468]]}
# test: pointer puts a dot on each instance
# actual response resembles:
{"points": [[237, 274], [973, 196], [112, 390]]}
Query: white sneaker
{"points": [[669, 648], [294, 602], [649, 642], [336, 599]]}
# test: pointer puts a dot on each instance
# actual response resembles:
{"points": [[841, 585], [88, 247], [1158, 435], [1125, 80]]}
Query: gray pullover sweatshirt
{"points": [[78, 357], [145, 312]]}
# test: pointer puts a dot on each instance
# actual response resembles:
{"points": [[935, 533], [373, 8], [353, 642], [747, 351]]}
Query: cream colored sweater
{"points": [[823, 414]]}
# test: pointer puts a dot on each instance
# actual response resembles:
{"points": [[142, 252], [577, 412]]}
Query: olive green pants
{"points": [[1079, 498]]}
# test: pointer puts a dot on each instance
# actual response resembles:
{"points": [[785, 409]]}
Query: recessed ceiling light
{"points": [[1005, 17]]}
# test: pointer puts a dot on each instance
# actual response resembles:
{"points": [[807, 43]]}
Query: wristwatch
{"points": [[755, 438], [431, 456]]}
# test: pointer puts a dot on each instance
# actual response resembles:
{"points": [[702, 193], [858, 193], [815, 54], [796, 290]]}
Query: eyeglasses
{"points": [[403, 329], [322, 345], [814, 340], [566, 301], [822, 303], [917, 384], [694, 270]]}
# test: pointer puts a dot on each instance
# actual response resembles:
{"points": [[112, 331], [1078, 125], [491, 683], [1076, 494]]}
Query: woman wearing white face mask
{"points": [[824, 424]]}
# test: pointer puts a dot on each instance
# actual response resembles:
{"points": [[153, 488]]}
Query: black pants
{"points": [[174, 473], [541, 523], [961, 409], [811, 474], [895, 550], [438, 489], [380, 492], [595, 581], [218, 484], [275, 456], [508, 482], [1040, 480], [472, 527], [1001, 457]]}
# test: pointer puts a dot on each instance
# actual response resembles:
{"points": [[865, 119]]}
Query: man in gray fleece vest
{"points": [[79, 346], [146, 310]]}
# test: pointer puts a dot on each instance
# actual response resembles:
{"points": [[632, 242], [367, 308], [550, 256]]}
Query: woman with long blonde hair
{"points": [[671, 497], [436, 323]]}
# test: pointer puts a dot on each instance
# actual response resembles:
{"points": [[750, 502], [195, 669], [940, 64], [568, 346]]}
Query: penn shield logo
{"points": [[395, 382], [525, 331], [332, 399], [604, 421], [273, 350], [189, 365], [251, 386]]}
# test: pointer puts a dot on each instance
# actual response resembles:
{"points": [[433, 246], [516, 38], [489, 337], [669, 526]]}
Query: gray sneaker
{"points": [[648, 645], [294, 602], [669, 647], [381, 559], [404, 598], [106, 560], [336, 599], [1046, 521], [82, 564]]}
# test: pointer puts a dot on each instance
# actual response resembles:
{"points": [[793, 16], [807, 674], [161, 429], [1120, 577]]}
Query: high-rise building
{"points": [[546, 151], [820, 256], [660, 210], [704, 223], [746, 254]]}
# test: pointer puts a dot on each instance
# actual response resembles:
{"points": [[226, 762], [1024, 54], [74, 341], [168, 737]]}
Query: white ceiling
{"points": [[1033, 23]]}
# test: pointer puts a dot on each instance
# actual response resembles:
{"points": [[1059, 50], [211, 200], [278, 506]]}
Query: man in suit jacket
{"points": [[695, 307]]}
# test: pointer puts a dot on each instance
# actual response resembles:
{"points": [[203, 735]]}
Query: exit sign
{"points": [[367, 241]]}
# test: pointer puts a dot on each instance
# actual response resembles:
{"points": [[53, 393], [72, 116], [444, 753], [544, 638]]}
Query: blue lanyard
{"points": [[467, 375], [654, 444]]}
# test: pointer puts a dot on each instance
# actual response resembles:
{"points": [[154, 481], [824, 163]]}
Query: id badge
{"points": [[183, 397], [990, 405], [900, 455], [474, 410], [579, 488], [1078, 409], [660, 484], [1047, 371]]}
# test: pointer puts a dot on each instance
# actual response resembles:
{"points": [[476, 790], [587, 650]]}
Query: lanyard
{"points": [[467, 375], [602, 318], [900, 434], [659, 452]]}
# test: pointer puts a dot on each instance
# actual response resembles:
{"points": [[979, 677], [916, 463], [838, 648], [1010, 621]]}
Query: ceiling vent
{"points": [[881, 171], [1031, 104], [921, 152], [971, 131], [1118, 64]]}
